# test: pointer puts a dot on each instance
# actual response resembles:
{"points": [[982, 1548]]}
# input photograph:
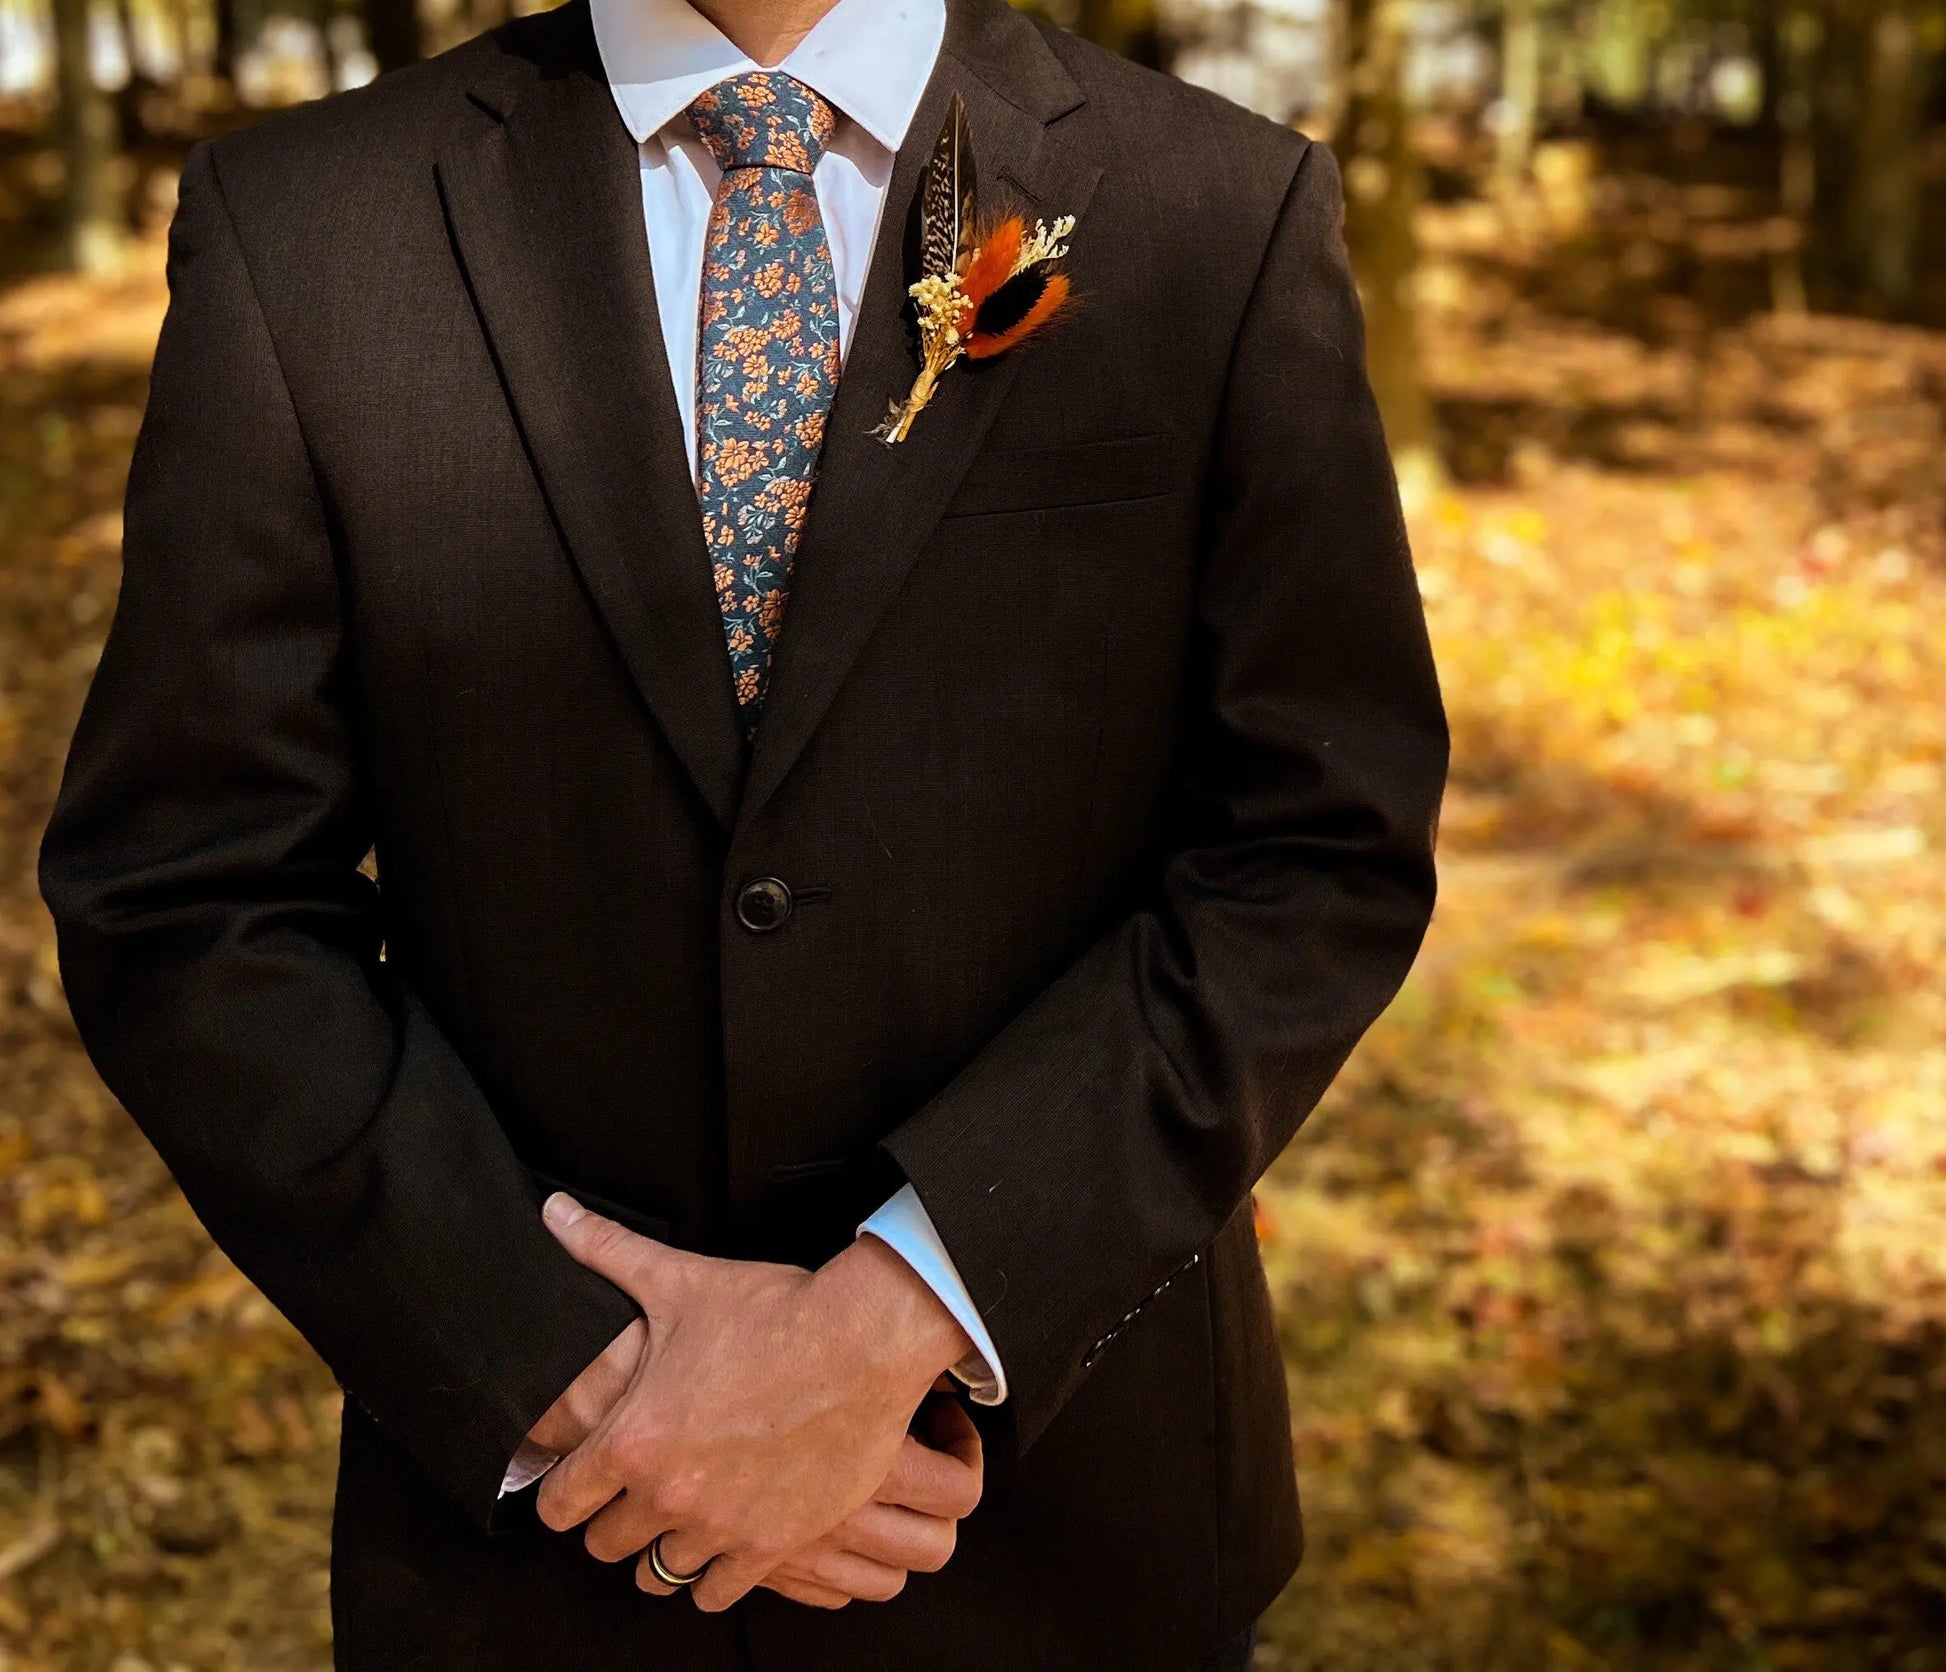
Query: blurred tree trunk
{"points": [[140, 97], [1768, 48], [1520, 87], [229, 40], [1125, 26], [1882, 195], [1792, 102], [324, 15], [1621, 53], [1384, 185], [91, 219], [131, 47], [392, 28], [181, 36], [1868, 136], [129, 131]]}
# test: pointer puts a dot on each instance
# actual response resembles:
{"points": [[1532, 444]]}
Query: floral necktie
{"points": [[767, 353]]}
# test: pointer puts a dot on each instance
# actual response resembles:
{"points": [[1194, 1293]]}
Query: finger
{"points": [[623, 1528], [575, 1488], [897, 1538], [678, 1556], [592, 1394], [857, 1576], [625, 1258], [645, 1579], [837, 1562], [729, 1579], [804, 1591], [950, 1429], [932, 1482], [923, 1479]]}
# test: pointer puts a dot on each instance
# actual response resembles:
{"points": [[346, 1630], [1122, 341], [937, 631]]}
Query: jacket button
{"points": [[763, 905]]}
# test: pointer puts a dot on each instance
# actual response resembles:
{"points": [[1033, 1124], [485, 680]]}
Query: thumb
{"points": [[625, 1258]]}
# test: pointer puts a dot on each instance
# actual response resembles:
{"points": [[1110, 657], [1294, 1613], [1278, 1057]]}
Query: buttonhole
{"points": [[788, 1170], [810, 896]]}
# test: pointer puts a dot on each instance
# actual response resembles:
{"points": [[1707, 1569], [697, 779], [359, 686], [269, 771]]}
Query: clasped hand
{"points": [[757, 1418]]}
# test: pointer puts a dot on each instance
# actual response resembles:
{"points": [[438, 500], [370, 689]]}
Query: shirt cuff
{"points": [[529, 1464], [905, 1227]]}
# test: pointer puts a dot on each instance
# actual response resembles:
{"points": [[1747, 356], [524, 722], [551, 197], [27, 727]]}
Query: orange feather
{"points": [[984, 345], [993, 262]]}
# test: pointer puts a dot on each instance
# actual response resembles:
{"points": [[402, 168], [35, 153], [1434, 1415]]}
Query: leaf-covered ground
{"points": [[1611, 1278], [1611, 1275]]}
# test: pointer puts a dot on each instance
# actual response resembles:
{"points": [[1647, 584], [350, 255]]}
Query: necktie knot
{"points": [[763, 120]]}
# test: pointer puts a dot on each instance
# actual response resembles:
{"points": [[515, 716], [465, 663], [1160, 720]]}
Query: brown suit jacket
{"points": [[1101, 757]]}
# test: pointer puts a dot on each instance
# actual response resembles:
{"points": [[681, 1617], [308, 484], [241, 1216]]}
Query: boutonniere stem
{"points": [[981, 292]]}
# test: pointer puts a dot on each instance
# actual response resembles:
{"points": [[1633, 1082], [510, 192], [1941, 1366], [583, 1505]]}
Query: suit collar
{"points": [[1006, 50]]}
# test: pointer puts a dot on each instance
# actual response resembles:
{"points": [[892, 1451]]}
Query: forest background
{"points": [[1610, 1275]]}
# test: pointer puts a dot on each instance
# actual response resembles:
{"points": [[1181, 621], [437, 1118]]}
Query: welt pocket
{"points": [[643, 1224], [1069, 474]]}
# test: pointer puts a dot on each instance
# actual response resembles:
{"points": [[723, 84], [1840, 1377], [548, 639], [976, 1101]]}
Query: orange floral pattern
{"points": [[767, 354]]}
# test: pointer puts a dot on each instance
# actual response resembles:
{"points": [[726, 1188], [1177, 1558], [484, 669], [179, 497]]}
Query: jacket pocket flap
{"points": [[1070, 474]]}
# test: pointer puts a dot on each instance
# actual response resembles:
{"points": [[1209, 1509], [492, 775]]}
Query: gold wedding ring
{"points": [[664, 1572]]}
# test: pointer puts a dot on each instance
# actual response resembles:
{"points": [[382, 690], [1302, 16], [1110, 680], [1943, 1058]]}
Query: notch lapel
{"points": [[874, 506], [545, 208]]}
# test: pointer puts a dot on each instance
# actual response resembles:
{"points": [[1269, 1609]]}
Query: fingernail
{"points": [[561, 1209]]}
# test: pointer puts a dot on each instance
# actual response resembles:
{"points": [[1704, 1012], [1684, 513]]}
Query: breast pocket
{"points": [[1072, 474]]}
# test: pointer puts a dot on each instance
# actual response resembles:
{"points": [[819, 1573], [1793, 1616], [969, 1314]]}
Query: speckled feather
{"points": [[946, 207]]}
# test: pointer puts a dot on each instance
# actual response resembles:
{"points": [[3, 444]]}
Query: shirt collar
{"points": [[870, 58]]}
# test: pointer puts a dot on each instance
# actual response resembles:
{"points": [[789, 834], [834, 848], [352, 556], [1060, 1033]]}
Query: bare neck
{"points": [[766, 29]]}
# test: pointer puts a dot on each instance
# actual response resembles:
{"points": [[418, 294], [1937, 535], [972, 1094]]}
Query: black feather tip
{"points": [[1012, 302]]}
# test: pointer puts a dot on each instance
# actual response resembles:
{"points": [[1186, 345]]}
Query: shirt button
{"points": [[763, 904]]}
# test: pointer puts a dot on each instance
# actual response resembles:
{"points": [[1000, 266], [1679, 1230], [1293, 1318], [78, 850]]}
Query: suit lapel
{"points": [[545, 208], [875, 506]]}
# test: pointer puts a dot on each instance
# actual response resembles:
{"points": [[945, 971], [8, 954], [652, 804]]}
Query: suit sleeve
{"points": [[1108, 1133], [220, 948]]}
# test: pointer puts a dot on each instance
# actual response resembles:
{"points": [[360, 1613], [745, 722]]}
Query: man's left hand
{"points": [[767, 1407], [910, 1526]]}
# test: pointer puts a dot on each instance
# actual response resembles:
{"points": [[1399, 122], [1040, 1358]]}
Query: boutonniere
{"points": [[983, 288]]}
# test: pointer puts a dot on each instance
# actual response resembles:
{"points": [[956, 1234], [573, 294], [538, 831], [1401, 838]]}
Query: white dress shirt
{"points": [[871, 59]]}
